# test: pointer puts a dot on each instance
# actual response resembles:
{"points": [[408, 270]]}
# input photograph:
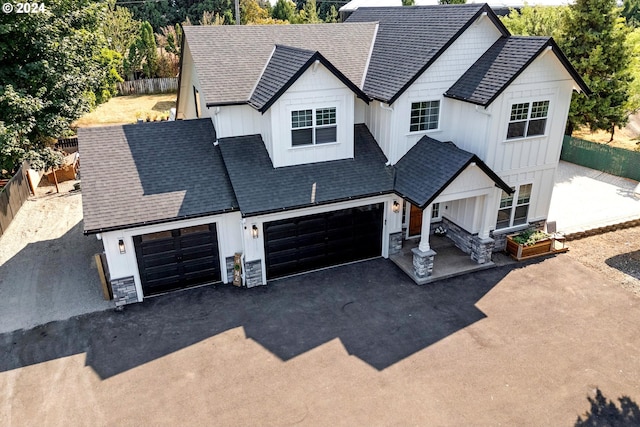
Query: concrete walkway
{"points": [[586, 199]]}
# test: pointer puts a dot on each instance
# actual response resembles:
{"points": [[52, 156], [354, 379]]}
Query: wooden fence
{"points": [[164, 85], [613, 160], [68, 145], [12, 197]]}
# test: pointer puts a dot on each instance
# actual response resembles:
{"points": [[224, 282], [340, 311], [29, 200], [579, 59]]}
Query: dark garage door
{"points": [[178, 258], [315, 241]]}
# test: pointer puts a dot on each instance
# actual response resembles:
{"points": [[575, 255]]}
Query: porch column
{"points": [[426, 228], [482, 245]]}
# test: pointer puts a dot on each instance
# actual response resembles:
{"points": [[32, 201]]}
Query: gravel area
{"points": [[615, 254], [47, 270]]}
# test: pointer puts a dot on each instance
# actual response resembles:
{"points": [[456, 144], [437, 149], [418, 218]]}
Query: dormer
{"points": [[309, 106]]}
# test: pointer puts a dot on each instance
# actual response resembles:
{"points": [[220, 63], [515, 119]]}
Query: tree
{"points": [[284, 10], [120, 28], [631, 12], [594, 40], [633, 44], [332, 16], [54, 67], [143, 53], [537, 21], [408, 2], [309, 14]]}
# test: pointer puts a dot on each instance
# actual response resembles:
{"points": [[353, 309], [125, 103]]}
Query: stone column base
{"points": [[481, 249], [423, 262], [124, 291], [395, 243]]}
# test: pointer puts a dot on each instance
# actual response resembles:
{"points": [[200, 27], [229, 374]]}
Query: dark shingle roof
{"points": [[410, 39], [430, 166], [499, 66], [150, 173], [229, 59], [261, 188], [285, 66]]}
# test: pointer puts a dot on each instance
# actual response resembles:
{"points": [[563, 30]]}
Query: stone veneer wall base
{"points": [[124, 291]]}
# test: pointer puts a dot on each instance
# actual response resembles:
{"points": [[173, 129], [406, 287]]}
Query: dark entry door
{"points": [[315, 241], [179, 258]]}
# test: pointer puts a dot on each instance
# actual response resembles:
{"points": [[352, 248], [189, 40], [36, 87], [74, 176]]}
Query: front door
{"points": [[415, 221]]}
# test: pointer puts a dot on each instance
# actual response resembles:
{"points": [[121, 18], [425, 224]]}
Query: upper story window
{"points": [[309, 127], [528, 119], [510, 214], [424, 115]]}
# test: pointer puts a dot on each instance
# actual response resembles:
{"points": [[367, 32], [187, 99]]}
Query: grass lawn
{"points": [[127, 109]]}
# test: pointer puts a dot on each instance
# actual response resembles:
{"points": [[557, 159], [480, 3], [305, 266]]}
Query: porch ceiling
{"points": [[430, 166]]}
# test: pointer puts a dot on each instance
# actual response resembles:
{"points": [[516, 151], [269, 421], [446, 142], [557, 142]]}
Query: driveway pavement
{"points": [[46, 263], [357, 345], [585, 199]]}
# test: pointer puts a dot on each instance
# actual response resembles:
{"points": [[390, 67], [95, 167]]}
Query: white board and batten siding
{"points": [[189, 80], [228, 227], [434, 82], [532, 160], [316, 88]]}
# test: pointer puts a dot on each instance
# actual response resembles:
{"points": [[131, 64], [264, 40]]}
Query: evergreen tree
{"points": [[284, 10], [309, 14], [537, 21], [408, 2], [594, 39], [332, 16], [631, 12]]}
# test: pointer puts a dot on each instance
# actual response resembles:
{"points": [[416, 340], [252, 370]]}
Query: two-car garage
{"points": [[311, 242]]}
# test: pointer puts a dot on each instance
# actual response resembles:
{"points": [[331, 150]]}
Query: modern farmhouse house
{"points": [[298, 147]]}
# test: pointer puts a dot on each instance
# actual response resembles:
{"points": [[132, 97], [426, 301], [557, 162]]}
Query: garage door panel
{"points": [[188, 258], [316, 241]]}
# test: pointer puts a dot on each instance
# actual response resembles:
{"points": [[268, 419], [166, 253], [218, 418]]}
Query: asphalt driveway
{"points": [[355, 345]]}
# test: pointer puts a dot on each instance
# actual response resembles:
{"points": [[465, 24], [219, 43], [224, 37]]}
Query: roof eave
{"points": [[159, 221]]}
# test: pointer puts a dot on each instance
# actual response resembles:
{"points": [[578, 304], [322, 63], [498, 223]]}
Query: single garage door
{"points": [[179, 258], [315, 241]]}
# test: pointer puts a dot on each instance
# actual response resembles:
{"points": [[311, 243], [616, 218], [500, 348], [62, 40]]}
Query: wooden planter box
{"points": [[520, 252]]}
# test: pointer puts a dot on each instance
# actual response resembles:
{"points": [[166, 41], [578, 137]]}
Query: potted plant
{"points": [[440, 231], [529, 243]]}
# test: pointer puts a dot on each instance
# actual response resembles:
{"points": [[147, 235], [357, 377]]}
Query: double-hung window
{"points": [[514, 208], [528, 119], [424, 116], [313, 126]]}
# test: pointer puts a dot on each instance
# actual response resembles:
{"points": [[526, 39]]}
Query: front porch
{"points": [[449, 261]]}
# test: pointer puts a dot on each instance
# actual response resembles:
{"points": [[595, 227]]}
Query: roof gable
{"points": [[430, 166], [285, 66], [230, 59], [485, 80], [410, 39]]}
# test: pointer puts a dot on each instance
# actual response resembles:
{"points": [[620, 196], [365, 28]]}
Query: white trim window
{"points": [[528, 119], [436, 213], [307, 131], [510, 214], [425, 115]]}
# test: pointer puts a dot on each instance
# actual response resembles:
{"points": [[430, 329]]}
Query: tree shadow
{"points": [[376, 311], [163, 106], [605, 413], [628, 263]]}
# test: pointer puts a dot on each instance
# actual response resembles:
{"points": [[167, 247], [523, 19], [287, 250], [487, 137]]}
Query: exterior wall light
{"points": [[396, 206], [254, 231], [121, 246]]}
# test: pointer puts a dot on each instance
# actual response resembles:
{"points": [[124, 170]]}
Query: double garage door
{"points": [[179, 258], [310, 242]]}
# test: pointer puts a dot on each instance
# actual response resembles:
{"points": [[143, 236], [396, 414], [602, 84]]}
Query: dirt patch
{"points": [[627, 137], [615, 254]]}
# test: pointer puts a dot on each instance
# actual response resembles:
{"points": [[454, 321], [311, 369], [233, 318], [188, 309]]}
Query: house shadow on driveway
{"points": [[378, 313]]}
